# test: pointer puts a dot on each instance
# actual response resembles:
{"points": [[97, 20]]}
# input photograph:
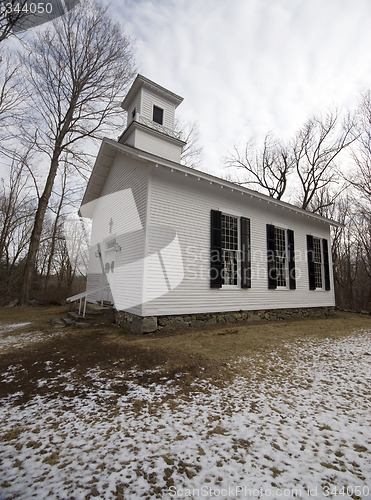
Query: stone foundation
{"points": [[149, 324]]}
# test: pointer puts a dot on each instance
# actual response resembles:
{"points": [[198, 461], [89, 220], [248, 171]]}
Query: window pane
{"points": [[230, 248], [229, 232], [158, 115], [230, 267], [280, 236], [317, 262]]}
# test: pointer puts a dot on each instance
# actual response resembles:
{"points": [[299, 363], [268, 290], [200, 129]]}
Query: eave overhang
{"points": [[108, 151], [142, 81]]}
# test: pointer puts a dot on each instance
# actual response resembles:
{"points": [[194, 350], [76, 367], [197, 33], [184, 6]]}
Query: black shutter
{"points": [[326, 264], [271, 256], [291, 258], [310, 254], [245, 253], [216, 264]]}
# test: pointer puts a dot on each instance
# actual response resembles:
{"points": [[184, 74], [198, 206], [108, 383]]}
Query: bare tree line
{"points": [[11, 14], [327, 164], [61, 92]]}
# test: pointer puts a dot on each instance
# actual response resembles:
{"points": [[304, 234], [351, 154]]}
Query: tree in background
{"points": [[268, 167], [311, 162], [11, 14], [308, 160], [12, 97], [316, 148], [345, 251], [191, 155], [76, 85], [17, 209], [361, 176]]}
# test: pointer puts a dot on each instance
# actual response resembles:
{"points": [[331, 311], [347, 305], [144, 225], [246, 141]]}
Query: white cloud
{"points": [[246, 67]]}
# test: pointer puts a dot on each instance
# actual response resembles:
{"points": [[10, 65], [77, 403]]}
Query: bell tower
{"points": [[151, 116]]}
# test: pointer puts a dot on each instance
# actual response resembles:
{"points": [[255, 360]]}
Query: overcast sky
{"points": [[246, 67]]}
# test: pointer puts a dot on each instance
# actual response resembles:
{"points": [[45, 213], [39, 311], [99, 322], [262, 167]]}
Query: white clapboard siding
{"points": [[135, 105], [183, 204], [120, 215], [149, 99], [164, 148], [94, 276]]}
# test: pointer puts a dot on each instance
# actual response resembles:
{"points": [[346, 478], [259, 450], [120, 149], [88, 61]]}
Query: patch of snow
{"points": [[298, 429], [12, 326], [10, 338]]}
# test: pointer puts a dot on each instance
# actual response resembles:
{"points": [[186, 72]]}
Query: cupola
{"points": [[151, 117]]}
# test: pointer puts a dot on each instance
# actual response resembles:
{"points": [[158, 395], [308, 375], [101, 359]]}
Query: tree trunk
{"points": [[50, 259], [54, 237], [36, 232]]}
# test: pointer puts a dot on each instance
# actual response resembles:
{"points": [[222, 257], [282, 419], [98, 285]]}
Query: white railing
{"points": [[156, 126], [85, 295]]}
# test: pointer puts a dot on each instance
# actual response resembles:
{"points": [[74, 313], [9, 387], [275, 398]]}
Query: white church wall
{"points": [[183, 204]]}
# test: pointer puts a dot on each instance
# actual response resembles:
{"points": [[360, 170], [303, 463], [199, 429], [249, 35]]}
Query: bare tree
{"points": [[192, 152], [361, 152], [267, 167], [17, 209], [14, 205], [324, 199], [79, 69], [364, 237], [55, 227], [316, 147], [345, 250], [12, 97], [11, 15]]}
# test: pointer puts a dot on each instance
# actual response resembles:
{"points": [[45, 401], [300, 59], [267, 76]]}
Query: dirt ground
{"points": [[166, 355], [99, 413]]}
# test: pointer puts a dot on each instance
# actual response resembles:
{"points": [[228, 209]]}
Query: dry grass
{"points": [[224, 343], [208, 353], [39, 317], [220, 342]]}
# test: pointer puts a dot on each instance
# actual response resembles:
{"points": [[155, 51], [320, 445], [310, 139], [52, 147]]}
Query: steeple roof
{"points": [[142, 81]]}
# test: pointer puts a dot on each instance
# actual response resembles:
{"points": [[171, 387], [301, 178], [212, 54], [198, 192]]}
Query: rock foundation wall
{"points": [[149, 324]]}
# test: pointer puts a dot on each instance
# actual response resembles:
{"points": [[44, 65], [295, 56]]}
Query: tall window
{"points": [[280, 237], [317, 257], [230, 255], [230, 249], [281, 258], [158, 115], [318, 263]]}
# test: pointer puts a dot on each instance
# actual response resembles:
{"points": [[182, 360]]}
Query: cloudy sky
{"points": [[246, 67]]}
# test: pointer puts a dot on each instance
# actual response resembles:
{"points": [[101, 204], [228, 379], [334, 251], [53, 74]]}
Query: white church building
{"points": [[174, 247]]}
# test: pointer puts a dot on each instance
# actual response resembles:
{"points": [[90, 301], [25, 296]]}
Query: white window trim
{"points": [[238, 285], [322, 288], [163, 114]]}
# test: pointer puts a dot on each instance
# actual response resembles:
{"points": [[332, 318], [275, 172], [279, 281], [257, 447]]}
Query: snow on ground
{"points": [[294, 424], [10, 337]]}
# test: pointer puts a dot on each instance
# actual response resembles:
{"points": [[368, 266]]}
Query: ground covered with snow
{"points": [[292, 422]]}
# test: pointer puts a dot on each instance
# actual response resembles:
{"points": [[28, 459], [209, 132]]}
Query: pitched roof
{"points": [[108, 151], [142, 81]]}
